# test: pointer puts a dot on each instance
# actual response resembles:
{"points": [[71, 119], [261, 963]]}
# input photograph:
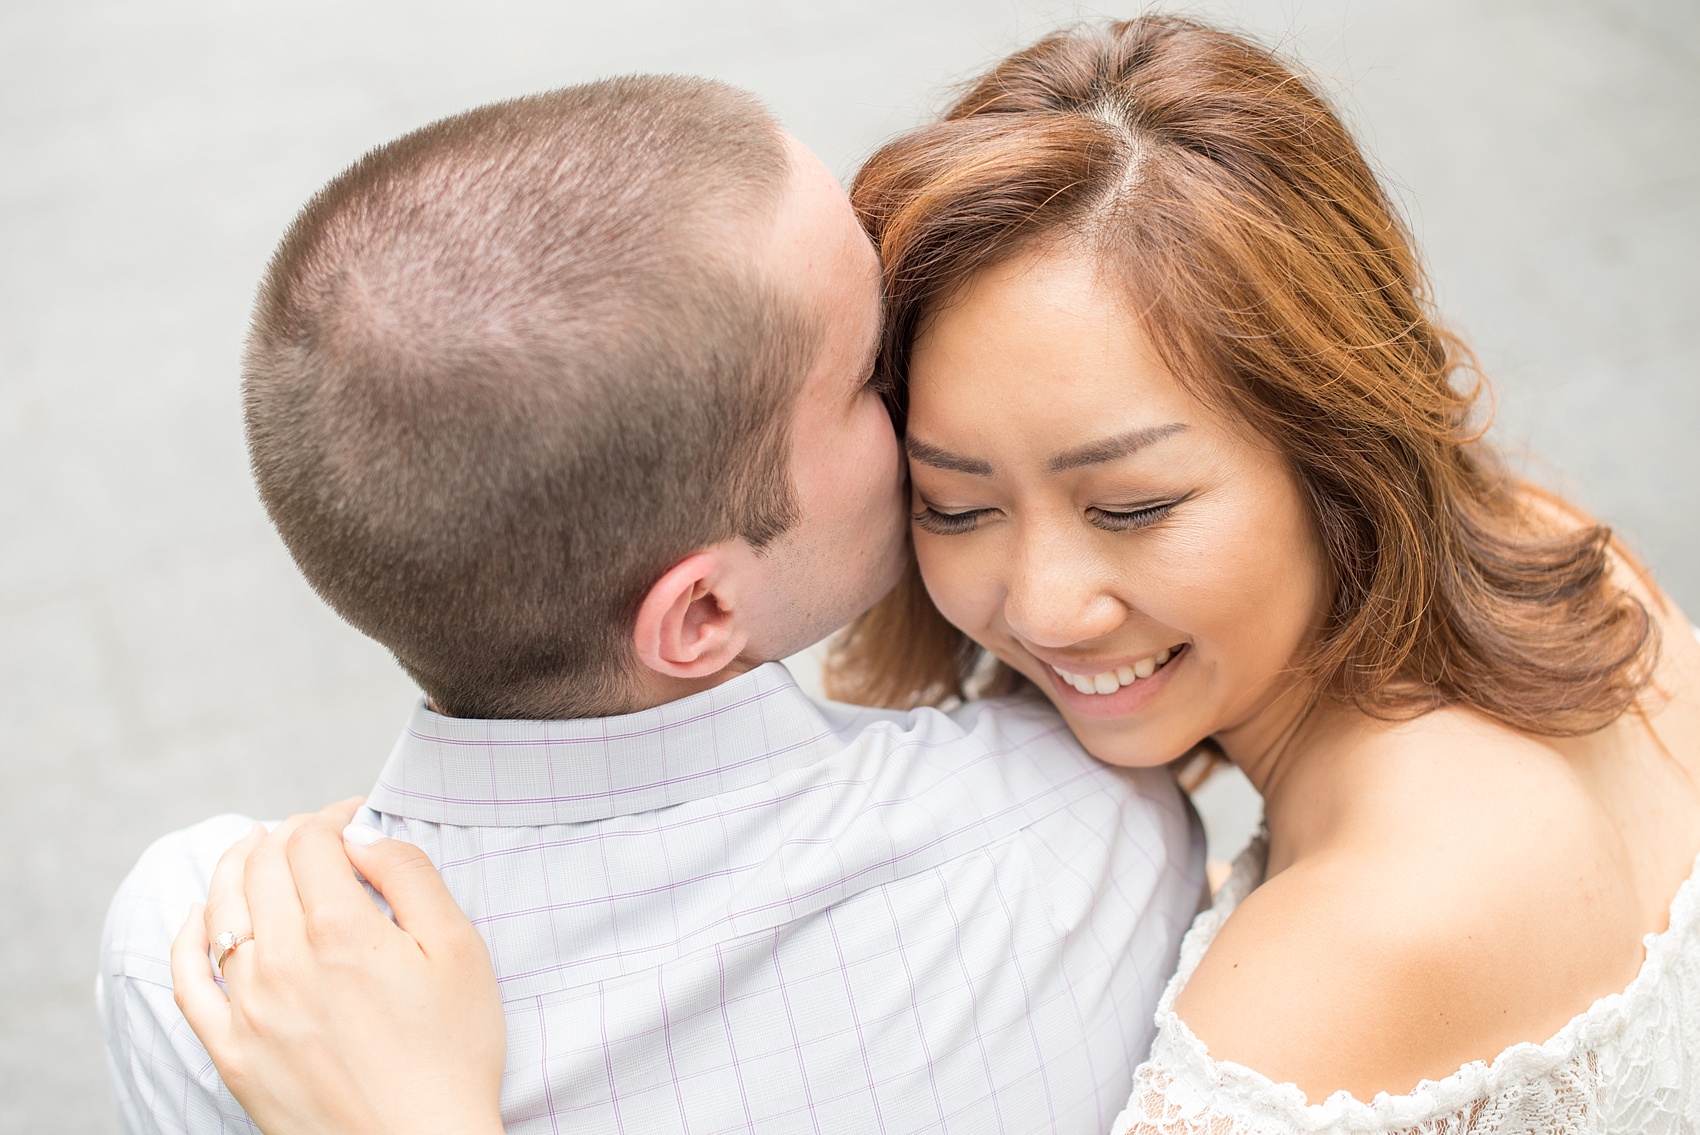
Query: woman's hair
{"points": [[1258, 251]]}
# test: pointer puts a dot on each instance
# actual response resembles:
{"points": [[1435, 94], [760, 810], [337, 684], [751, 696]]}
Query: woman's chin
{"points": [[1129, 752], [1130, 742], [1130, 727]]}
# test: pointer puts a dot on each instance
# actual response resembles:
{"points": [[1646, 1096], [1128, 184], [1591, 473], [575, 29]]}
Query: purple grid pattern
{"points": [[748, 912]]}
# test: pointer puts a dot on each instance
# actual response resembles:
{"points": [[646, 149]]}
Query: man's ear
{"points": [[690, 624]]}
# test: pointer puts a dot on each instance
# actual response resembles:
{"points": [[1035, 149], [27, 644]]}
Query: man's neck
{"points": [[654, 689], [650, 689]]}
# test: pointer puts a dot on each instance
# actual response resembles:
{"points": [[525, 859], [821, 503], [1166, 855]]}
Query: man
{"points": [[566, 402]]}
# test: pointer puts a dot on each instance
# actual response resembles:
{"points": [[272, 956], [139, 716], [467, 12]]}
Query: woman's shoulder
{"points": [[1470, 905]]}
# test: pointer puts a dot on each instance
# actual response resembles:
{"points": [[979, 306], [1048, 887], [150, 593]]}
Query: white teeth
{"points": [[1112, 680]]}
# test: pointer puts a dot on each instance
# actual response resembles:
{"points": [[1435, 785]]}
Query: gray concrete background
{"points": [[159, 659]]}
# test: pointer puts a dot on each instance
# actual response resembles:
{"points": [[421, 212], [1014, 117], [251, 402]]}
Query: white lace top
{"points": [[1629, 1064]]}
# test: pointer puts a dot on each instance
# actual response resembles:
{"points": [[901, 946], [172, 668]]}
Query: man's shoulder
{"points": [[162, 1078], [155, 896], [969, 730], [1019, 746], [1003, 766]]}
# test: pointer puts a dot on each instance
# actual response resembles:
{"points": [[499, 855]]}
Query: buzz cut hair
{"points": [[506, 370]]}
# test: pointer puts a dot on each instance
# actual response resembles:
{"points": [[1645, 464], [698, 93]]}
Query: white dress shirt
{"points": [[750, 911]]}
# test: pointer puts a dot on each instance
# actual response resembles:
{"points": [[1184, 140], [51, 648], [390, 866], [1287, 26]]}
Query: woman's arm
{"points": [[333, 1020]]}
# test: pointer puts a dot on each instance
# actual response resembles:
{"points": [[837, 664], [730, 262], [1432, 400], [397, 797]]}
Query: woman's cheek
{"points": [[1255, 611], [948, 579], [967, 591]]}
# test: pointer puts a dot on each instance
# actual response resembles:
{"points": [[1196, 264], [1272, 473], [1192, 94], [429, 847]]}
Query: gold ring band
{"points": [[226, 944]]}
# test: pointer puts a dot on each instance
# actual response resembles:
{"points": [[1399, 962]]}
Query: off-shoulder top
{"points": [[1630, 1063]]}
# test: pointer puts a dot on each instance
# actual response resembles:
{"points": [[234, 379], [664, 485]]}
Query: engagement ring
{"points": [[224, 944]]}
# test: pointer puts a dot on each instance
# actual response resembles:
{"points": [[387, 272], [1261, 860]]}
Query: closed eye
{"points": [[948, 523], [1124, 521]]}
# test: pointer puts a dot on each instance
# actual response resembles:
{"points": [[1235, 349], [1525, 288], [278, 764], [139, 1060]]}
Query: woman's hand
{"points": [[338, 1021]]}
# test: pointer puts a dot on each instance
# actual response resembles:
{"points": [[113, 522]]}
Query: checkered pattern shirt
{"points": [[749, 911]]}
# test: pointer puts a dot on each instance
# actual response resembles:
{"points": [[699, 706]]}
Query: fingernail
{"points": [[362, 836]]}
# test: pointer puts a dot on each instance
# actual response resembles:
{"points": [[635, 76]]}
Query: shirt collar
{"points": [[471, 772]]}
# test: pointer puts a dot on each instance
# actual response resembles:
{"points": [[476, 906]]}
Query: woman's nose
{"points": [[1058, 597]]}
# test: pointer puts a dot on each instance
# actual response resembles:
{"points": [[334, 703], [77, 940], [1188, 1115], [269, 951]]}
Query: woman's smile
{"points": [[1118, 690]]}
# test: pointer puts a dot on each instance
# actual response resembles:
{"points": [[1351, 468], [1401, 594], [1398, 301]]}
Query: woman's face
{"points": [[1143, 560]]}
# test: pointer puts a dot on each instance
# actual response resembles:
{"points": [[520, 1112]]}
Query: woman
{"points": [[1191, 459]]}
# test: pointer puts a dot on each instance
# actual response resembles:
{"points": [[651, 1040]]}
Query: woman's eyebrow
{"points": [[1111, 448], [928, 454]]}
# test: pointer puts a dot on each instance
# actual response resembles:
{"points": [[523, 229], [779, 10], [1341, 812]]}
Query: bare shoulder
{"points": [[1475, 902]]}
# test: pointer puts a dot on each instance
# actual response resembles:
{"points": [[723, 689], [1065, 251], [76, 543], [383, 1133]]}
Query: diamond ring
{"points": [[225, 944]]}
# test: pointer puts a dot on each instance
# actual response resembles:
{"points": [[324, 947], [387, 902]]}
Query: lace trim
{"points": [[1181, 1090], [1563, 1106]]}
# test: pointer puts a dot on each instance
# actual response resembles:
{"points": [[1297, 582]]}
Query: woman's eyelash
{"points": [[1113, 521], [930, 519], [947, 523]]}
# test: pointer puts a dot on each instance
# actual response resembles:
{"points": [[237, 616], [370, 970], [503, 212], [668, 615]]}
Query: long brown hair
{"points": [[1273, 274]]}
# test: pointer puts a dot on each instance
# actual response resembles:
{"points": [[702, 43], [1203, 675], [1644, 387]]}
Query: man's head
{"points": [[511, 373]]}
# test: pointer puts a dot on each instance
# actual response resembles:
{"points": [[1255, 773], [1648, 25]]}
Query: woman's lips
{"points": [[1113, 693]]}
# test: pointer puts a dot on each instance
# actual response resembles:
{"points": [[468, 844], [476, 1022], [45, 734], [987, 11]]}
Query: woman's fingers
{"points": [[329, 1027], [334, 904], [339, 815], [409, 882], [273, 904], [227, 903], [202, 1002]]}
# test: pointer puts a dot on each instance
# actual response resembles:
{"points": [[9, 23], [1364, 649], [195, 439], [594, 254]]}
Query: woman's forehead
{"points": [[1046, 349]]}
